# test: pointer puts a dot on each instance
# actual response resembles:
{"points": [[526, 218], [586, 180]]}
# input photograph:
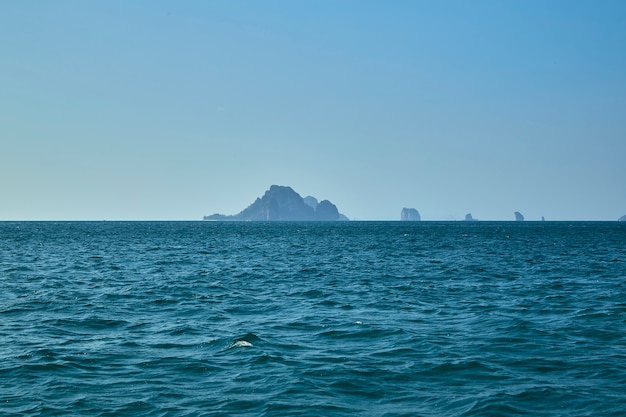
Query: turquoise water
{"points": [[312, 319]]}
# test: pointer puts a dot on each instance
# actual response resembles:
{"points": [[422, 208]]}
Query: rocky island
{"points": [[469, 218], [622, 219], [519, 217], [281, 203], [410, 215]]}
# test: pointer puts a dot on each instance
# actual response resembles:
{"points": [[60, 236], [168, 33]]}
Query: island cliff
{"points": [[622, 219], [519, 217], [410, 215], [469, 218], [281, 203]]}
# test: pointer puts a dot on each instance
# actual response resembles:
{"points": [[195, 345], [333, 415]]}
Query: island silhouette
{"points": [[282, 203]]}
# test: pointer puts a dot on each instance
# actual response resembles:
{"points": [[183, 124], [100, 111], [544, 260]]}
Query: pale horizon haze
{"points": [[167, 110]]}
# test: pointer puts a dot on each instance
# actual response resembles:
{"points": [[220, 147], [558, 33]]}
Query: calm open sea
{"points": [[313, 319]]}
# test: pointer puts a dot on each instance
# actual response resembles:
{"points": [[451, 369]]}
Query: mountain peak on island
{"points": [[282, 203]]}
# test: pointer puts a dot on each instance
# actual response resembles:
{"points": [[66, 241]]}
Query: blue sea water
{"points": [[313, 319]]}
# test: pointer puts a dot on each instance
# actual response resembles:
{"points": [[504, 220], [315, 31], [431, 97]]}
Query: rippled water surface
{"points": [[315, 319]]}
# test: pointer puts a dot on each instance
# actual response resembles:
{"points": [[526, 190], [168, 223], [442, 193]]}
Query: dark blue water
{"points": [[315, 319]]}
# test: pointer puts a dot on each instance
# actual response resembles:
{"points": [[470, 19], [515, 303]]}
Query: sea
{"points": [[313, 318]]}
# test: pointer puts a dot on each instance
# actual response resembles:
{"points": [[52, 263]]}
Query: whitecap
{"points": [[241, 344]]}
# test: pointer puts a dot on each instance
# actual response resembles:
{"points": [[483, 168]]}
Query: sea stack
{"points": [[410, 215], [469, 218], [519, 217], [622, 219]]}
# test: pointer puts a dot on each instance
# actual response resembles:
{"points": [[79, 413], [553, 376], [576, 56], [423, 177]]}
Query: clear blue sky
{"points": [[174, 110]]}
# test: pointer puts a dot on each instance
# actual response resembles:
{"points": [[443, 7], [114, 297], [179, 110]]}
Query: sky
{"points": [[172, 110]]}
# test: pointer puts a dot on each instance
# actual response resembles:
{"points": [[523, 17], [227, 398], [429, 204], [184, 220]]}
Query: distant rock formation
{"points": [[543, 219], [469, 218], [281, 203], [519, 217], [311, 201], [410, 215], [326, 210], [622, 219]]}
